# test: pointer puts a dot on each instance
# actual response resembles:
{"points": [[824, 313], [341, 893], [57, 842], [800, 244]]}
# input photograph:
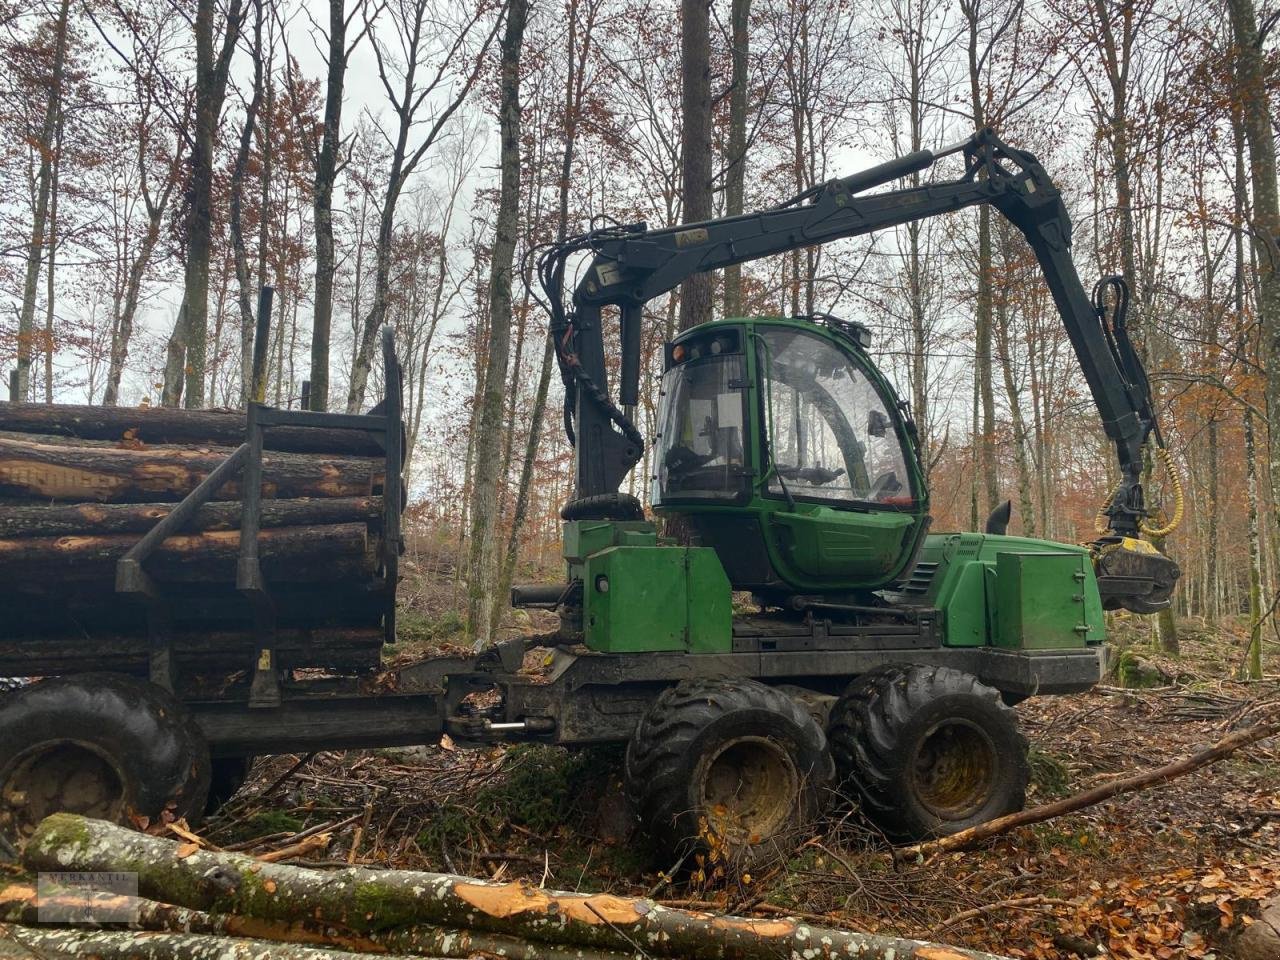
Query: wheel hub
{"points": [[68, 777], [749, 791], [954, 769]]}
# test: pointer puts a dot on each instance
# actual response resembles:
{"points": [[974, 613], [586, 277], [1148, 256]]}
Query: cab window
{"points": [[830, 433]]}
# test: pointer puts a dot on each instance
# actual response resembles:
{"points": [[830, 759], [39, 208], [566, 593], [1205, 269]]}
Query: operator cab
{"points": [[789, 421]]}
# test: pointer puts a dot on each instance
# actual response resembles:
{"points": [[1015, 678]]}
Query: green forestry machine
{"points": [[882, 655], [880, 661]]}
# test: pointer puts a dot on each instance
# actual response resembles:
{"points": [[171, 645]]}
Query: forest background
{"points": [[395, 161]]}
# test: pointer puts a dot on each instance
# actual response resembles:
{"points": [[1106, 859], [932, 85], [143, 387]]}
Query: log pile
{"points": [[79, 486], [200, 903]]}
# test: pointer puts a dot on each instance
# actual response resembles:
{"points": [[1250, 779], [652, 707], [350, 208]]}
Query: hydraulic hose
{"points": [[1102, 524], [1179, 498]]}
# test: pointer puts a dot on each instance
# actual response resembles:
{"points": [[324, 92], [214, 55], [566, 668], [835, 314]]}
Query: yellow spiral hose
{"points": [[1179, 498], [1102, 523]]}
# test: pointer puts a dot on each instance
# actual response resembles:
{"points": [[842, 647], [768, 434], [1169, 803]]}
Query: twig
{"points": [[302, 762], [1010, 904], [317, 841], [639, 949]]}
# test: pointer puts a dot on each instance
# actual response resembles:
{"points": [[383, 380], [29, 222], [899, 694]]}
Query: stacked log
{"points": [[194, 903], [80, 486]]}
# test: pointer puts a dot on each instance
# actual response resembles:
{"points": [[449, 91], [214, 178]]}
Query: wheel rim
{"points": [[749, 790], [62, 777], [954, 769]]}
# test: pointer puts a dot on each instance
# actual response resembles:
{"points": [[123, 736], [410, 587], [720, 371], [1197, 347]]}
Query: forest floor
{"points": [[1175, 871]]}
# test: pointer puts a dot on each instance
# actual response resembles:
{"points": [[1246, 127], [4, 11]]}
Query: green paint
{"points": [[1041, 600], [638, 599], [1013, 592]]}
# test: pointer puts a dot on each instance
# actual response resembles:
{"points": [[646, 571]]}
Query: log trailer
{"points": [[880, 659]]}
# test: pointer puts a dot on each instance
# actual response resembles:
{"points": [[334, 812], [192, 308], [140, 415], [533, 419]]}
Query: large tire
{"points": [[730, 765], [105, 745], [929, 751]]}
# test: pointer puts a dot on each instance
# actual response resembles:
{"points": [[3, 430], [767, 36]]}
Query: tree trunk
{"points": [[185, 368], [49, 340], [46, 467], [322, 203], [520, 514], [1026, 506], [44, 186], [695, 109], [484, 503], [1253, 654], [244, 284], [1251, 76], [982, 369], [360, 900], [18, 905], [132, 945], [122, 332], [736, 158]]}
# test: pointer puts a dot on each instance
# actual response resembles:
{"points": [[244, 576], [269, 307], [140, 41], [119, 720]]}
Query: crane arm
{"points": [[632, 265]]}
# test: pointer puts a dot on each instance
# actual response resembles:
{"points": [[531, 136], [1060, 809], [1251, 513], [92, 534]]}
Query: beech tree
{"points": [[429, 56], [695, 99], [185, 364]]}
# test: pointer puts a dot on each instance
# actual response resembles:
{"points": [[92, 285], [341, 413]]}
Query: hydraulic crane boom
{"points": [[632, 265]]}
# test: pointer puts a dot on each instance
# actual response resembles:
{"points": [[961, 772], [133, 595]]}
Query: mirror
{"points": [[877, 423]]}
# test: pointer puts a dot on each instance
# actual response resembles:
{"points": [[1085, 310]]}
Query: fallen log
{"points": [[72, 519], [45, 942], [160, 425], [18, 904], [1228, 745], [59, 471], [377, 901], [286, 553]]}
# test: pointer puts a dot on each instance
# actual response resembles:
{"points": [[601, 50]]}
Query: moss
{"points": [[1132, 671], [415, 631], [377, 907], [539, 791], [1049, 775]]}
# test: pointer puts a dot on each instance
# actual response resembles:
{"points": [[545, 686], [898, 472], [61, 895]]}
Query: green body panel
{"points": [[1041, 600], [839, 545], [1012, 592], [638, 599], [638, 596], [581, 538]]}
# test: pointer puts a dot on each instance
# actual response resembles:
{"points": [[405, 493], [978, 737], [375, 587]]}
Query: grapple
{"points": [[1133, 575]]}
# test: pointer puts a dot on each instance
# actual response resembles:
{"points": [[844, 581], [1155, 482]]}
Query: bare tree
{"points": [[325, 145], [484, 504], [736, 156], [428, 68], [1257, 120], [45, 146], [695, 74], [185, 363]]}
